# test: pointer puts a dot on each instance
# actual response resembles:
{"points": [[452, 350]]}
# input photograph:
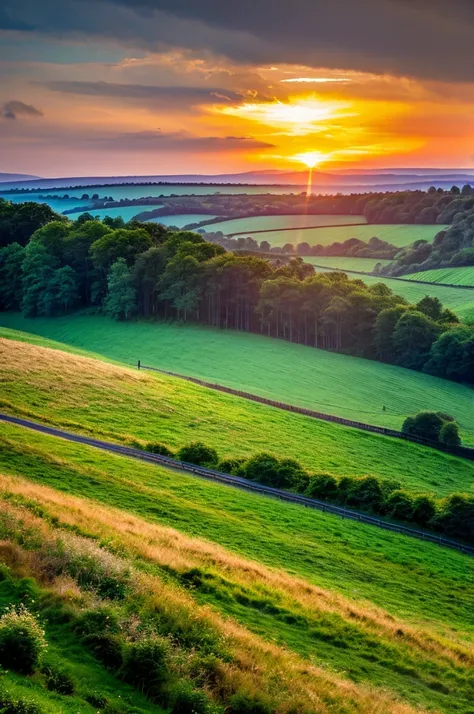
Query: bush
{"points": [[11, 705], [449, 434], [456, 517], [262, 468], [323, 486], [145, 665], [344, 488], [186, 700], [242, 703], [58, 679], [426, 425], [424, 510], [22, 640], [100, 631], [231, 466], [399, 505], [199, 454], [154, 447], [366, 493]]}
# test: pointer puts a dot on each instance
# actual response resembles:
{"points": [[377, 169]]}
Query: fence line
{"points": [[238, 482], [463, 451]]}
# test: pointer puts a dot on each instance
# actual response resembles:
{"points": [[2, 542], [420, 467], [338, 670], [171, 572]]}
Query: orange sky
{"points": [[122, 111]]}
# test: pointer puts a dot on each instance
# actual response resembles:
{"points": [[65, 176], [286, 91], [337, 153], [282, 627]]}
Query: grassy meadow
{"points": [[112, 402], [267, 223], [452, 276], [333, 383], [346, 615], [175, 220], [364, 265], [398, 235]]}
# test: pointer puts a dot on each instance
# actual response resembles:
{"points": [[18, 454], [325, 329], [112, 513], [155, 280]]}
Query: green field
{"points": [[451, 276], [333, 383], [398, 235], [123, 404], [361, 605], [179, 221], [365, 265], [125, 212], [265, 223]]}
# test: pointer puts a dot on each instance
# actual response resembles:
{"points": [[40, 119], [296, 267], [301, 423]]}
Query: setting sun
{"points": [[311, 158]]}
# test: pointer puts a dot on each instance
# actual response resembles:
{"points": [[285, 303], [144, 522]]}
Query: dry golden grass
{"points": [[257, 665], [179, 553]]}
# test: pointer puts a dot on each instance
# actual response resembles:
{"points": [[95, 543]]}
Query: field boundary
{"points": [[463, 451], [384, 277], [238, 482], [292, 228]]}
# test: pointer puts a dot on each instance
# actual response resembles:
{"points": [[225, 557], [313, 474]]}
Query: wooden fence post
{"points": [[138, 364]]}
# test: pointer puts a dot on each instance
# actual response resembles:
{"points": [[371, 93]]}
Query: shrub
{"points": [[323, 486], [58, 679], [154, 447], [187, 700], [22, 640], [399, 505], [242, 703], [100, 631], [231, 466], [456, 517], [262, 468], [366, 493], [11, 705], [145, 665], [424, 510], [426, 425], [199, 454], [290, 474], [345, 486], [449, 434]]}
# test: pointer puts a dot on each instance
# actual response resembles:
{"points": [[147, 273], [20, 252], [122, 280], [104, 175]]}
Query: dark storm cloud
{"points": [[429, 38], [170, 95], [15, 108], [176, 141]]}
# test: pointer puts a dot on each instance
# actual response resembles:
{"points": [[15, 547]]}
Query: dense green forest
{"points": [[145, 270]]}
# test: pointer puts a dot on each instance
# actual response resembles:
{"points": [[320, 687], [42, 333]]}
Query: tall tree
{"points": [[120, 302]]}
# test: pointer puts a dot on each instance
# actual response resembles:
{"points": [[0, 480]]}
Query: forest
{"points": [[148, 271]]}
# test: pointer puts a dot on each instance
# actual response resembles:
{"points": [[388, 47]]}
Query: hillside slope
{"points": [[351, 387], [116, 403], [358, 617]]}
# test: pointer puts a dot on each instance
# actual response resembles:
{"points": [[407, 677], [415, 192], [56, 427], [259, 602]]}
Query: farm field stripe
{"points": [[291, 228], [236, 482], [463, 451], [389, 277]]}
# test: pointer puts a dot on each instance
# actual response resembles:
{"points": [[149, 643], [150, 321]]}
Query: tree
{"points": [[66, 286], [413, 337], [120, 302], [11, 260], [426, 425], [38, 269], [449, 434], [383, 331], [430, 306]]}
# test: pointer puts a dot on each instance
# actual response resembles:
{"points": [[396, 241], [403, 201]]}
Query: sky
{"points": [[147, 87]]}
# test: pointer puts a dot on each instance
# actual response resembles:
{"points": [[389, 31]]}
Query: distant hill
{"points": [[357, 181], [9, 178]]}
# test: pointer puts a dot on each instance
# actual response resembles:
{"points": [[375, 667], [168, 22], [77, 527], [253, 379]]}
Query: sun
{"points": [[311, 158]]}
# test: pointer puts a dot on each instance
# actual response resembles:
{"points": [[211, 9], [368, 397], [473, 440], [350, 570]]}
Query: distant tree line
{"points": [[146, 270], [351, 248], [452, 516]]}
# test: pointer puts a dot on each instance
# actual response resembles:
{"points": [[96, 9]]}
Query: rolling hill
{"points": [[119, 404], [330, 606], [333, 383]]}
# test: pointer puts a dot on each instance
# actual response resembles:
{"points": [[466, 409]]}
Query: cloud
{"points": [[176, 141], [15, 108], [423, 38], [173, 94]]}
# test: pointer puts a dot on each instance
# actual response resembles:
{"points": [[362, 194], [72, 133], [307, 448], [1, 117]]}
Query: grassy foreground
{"points": [[336, 384], [109, 401], [345, 616]]}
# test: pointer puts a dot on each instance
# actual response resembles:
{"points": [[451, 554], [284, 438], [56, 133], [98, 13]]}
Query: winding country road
{"points": [[234, 481]]}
